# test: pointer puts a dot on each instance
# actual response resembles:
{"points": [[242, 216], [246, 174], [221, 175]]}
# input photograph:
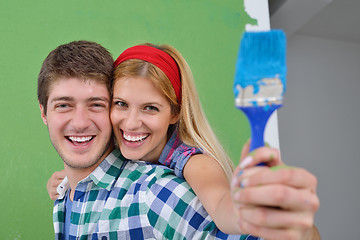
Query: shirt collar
{"points": [[103, 176], [108, 170], [165, 156]]}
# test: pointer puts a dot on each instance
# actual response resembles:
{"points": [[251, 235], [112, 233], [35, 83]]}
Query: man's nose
{"points": [[80, 119]]}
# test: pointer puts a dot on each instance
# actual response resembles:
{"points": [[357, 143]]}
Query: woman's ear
{"points": [[43, 114], [175, 118]]}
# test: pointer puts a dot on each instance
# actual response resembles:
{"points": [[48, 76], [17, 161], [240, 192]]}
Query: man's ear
{"points": [[43, 114]]}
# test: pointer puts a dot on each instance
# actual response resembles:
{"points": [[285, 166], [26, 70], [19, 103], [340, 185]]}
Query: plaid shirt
{"points": [[124, 199]]}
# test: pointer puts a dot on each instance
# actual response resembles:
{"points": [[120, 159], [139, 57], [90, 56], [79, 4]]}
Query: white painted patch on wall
{"points": [[259, 10]]}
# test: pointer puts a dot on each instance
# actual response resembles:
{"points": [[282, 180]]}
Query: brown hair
{"points": [[79, 59]]}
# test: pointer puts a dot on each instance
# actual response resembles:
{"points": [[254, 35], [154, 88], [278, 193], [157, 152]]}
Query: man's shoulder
{"points": [[140, 171], [151, 178], [136, 169]]}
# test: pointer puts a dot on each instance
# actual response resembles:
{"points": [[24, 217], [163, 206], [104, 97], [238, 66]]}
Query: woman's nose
{"points": [[132, 120]]}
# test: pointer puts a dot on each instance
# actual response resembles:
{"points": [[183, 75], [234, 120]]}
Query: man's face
{"points": [[78, 121]]}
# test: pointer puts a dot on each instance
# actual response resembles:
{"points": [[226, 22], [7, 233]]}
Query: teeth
{"points": [[80, 139], [135, 138]]}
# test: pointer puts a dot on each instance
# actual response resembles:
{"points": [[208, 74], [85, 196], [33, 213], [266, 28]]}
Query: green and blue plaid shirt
{"points": [[123, 199]]}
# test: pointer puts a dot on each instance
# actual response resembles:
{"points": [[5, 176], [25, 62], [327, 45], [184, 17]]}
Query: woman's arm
{"points": [[276, 202], [209, 182], [54, 181]]}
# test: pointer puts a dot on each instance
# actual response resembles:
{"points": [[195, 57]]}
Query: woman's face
{"points": [[140, 115]]}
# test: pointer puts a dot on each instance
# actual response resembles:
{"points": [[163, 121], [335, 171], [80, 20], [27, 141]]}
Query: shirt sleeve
{"points": [[176, 154], [180, 157]]}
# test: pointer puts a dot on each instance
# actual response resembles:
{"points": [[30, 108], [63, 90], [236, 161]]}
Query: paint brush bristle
{"points": [[260, 78]]}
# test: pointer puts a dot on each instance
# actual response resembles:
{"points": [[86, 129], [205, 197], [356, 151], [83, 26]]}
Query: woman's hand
{"points": [[54, 181], [275, 202]]}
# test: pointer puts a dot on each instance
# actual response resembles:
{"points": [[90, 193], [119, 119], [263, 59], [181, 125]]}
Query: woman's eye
{"points": [[121, 104], [151, 108]]}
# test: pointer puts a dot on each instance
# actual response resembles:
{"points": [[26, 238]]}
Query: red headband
{"points": [[157, 57]]}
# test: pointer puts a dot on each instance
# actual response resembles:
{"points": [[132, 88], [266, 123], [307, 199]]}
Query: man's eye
{"points": [[63, 105], [99, 105]]}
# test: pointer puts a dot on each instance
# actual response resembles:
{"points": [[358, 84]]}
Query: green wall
{"points": [[206, 32]]}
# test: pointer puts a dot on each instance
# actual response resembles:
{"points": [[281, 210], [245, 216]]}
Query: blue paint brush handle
{"points": [[258, 117], [260, 79]]}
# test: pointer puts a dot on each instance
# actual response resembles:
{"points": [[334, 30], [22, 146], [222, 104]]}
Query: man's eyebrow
{"points": [[91, 99], [94, 99], [63, 98]]}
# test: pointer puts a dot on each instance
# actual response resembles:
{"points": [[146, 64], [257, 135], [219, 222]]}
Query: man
{"points": [[110, 197]]}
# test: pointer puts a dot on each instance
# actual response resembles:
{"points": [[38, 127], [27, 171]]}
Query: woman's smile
{"points": [[141, 116]]}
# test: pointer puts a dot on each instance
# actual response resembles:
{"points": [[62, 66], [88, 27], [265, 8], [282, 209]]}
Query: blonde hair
{"points": [[193, 127]]}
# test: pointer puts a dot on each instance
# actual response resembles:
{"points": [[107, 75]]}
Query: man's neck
{"points": [[75, 175]]}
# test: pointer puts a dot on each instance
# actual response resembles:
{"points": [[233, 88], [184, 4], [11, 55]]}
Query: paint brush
{"points": [[260, 79]]}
